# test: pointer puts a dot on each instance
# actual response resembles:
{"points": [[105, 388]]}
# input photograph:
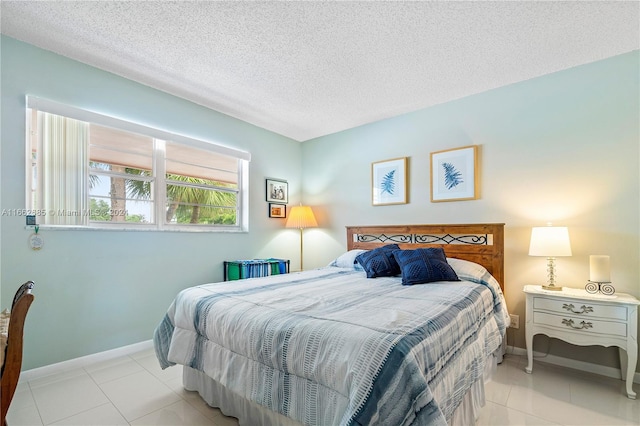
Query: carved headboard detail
{"points": [[482, 243]]}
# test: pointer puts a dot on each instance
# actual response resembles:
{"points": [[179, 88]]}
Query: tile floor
{"points": [[132, 390]]}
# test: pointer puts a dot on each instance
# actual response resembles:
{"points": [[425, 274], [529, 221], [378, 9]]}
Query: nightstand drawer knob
{"points": [[583, 324], [584, 309]]}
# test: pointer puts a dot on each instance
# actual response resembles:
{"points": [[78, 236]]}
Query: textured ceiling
{"points": [[307, 69]]}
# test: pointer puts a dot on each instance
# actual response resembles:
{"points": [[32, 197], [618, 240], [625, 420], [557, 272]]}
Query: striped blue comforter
{"points": [[331, 347]]}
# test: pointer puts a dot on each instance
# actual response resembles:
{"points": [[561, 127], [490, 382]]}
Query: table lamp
{"points": [[301, 217], [550, 242]]}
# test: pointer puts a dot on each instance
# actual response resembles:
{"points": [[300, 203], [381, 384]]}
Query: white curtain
{"points": [[63, 169]]}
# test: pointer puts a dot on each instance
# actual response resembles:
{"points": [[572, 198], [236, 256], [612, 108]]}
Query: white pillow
{"points": [[474, 272], [467, 269], [347, 260]]}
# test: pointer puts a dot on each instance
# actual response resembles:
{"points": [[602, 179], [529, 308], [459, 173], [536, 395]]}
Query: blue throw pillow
{"points": [[424, 265], [380, 262]]}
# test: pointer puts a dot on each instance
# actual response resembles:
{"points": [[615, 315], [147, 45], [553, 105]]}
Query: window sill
{"points": [[184, 229]]}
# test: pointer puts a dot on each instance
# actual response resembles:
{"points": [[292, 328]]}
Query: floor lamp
{"points": [[301, 217]]}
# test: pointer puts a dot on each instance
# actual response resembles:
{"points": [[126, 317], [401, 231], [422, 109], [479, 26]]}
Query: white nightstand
{"points": [[580, 318]]}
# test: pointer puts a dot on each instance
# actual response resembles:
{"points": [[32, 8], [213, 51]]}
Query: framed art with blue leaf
{"points": [[389, 182], [454, 174]]}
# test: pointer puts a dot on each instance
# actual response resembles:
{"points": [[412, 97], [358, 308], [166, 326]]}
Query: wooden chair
{"points": [[13, 353]]}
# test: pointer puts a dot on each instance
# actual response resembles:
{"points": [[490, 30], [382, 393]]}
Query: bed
{"points": [[331, 346]]}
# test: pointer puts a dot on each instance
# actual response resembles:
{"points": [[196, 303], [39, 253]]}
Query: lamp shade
{"points": [[550, 241], [301, 217]]}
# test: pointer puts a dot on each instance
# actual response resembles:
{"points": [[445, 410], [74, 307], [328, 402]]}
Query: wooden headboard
{"points": [[482, 243]]}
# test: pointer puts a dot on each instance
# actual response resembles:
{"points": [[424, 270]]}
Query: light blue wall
{"points": [[98, 290], [562, 148]]}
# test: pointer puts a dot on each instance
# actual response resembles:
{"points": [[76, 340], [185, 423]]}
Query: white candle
{"points": [[599, 269]]}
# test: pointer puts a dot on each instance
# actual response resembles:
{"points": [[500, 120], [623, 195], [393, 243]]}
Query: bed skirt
{"points": [[251, 414]]}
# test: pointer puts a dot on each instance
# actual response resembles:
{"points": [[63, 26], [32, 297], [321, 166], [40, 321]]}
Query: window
{"points": [[92, 170]]}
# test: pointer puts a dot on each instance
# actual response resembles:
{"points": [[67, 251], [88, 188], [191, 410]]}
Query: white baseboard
{"points": [[71, 364], [571, 363]]}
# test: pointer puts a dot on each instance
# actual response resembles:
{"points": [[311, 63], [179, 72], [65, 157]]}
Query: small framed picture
{"points": [[277, 210], [389, 182], [277, 191], [454, 174]]}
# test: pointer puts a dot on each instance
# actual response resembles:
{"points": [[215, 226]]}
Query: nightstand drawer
{"points": [[580, 324], [581, 308]]}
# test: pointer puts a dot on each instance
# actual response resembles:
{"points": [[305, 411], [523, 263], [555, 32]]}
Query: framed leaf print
{"points": [[389, 182], [454, 174]]}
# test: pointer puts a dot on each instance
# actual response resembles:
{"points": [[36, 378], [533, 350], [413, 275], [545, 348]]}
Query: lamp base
{"points": [[552, 287]]}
